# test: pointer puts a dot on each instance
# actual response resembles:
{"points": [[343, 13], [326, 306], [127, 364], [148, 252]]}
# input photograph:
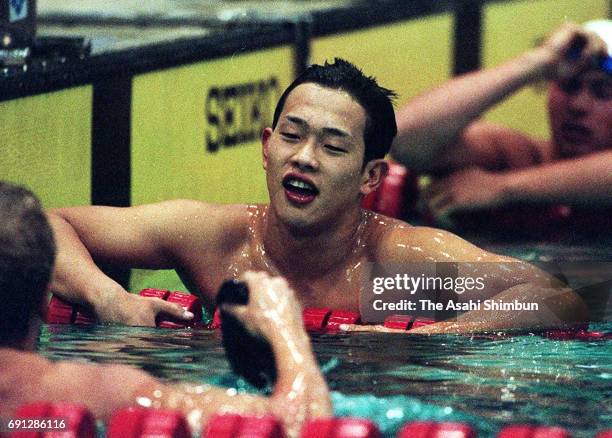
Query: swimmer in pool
{"points": [[27, 252], [480, 165], [324, 152]]}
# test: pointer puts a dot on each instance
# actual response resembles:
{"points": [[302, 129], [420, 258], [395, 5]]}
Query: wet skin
{"points": [[319, 239], [322, 246], [299, 393]]}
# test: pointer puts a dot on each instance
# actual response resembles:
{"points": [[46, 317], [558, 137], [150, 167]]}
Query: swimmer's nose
{"points": [[305, 156]]}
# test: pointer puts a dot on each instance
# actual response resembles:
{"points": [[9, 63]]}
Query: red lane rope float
{"points": [[138, 422], [406, 322], [530, 431], [216, 320], [187, 301], [315, 319], [580, 333], [327, 320], [62, 312], [239, 426], [340, 428], [430, 429], [60, 420], [141, 422]]}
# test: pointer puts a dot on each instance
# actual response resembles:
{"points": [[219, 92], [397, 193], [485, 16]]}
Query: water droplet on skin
{"points": [[144, 402]]}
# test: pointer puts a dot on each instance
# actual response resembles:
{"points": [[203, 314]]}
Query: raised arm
{"points": [[432, 131], [163, 235], [300, 391]]}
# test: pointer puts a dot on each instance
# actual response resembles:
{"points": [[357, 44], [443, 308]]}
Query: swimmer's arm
{"points": [[300, 392], [582, 180], [274, 313], [432, 134], [434, 131], [77, 279], [124, 386], [505, 279], [149, 236], [557, 307], [198, 403]]}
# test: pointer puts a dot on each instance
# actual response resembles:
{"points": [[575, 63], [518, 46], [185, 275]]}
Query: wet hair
{"points": [[27, 252], [380, 127]]}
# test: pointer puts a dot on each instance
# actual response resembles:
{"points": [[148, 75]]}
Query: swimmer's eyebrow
{"points": [[331, 131]]}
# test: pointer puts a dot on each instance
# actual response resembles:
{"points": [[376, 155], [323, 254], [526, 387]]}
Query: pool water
{"points": [[393, 379]]}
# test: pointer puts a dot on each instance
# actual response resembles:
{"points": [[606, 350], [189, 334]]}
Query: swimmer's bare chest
{"points": [[337, 288]]}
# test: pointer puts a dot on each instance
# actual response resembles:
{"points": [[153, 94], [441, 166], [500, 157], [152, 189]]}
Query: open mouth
{"points": [[299, 190]]}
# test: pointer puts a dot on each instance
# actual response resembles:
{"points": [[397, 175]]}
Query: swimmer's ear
{"points": [[265, 140], [372, 175]]}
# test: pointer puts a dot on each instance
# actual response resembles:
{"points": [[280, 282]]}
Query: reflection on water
{"points": [[393, 378], [521, 379]]}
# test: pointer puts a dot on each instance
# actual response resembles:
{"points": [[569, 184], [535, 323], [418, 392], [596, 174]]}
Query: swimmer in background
{"points": [[481, 165], [325, 150], [27, 252]]}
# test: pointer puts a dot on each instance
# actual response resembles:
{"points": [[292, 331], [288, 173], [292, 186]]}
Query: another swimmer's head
{"points": [[580, 107], [27, 252], [380, 128]]}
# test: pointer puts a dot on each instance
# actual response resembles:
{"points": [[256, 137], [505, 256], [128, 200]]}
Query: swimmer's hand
{"points": [[272, 311], [122, 307], [249, 354], [253, 314], [568, 51]]}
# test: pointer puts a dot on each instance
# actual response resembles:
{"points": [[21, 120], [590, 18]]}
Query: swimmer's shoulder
{"points": [[21, 373], [385, 235], [426, 244], [209, 222]]}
